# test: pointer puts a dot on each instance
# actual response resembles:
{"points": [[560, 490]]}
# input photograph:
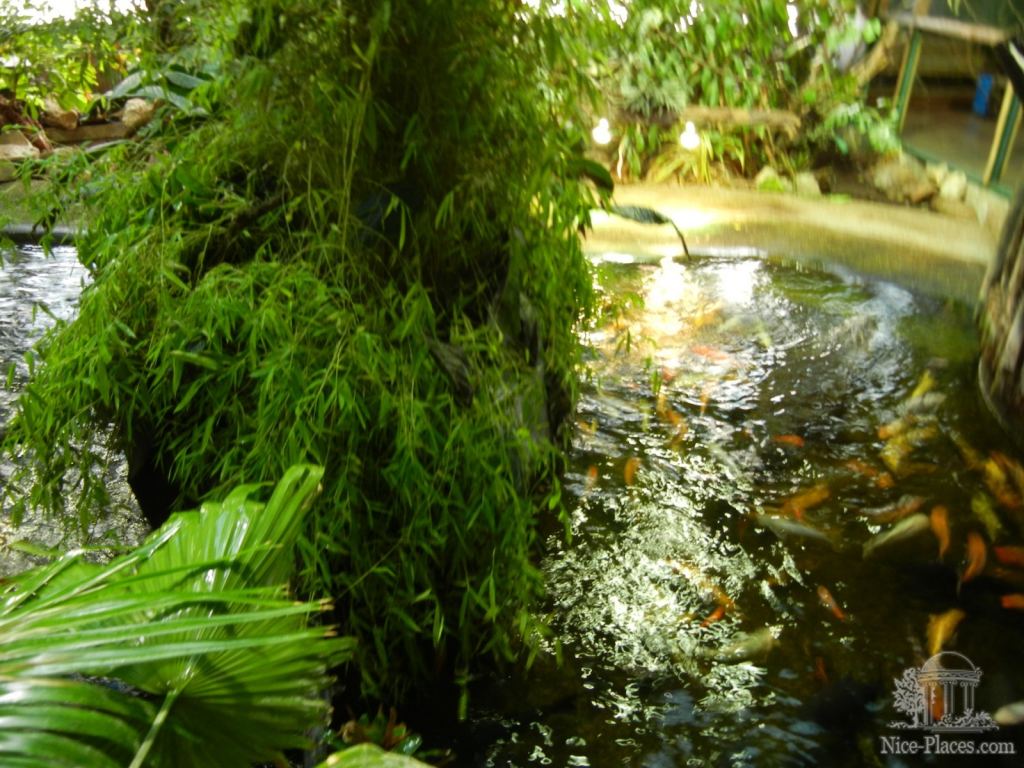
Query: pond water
{"points": [[748, 426], [37, 289], [751, 428]]}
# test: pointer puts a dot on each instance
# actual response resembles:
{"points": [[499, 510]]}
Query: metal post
{"points": [[1006, 134], [905, 82]]}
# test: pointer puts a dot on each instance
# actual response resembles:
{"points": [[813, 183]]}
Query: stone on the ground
{"points": [[805, 183], [954, 186], [937, 172], [768, 180], [8, 171], [55, 116], [136, 113], [903, 179], [14, 146], [955, 208]]}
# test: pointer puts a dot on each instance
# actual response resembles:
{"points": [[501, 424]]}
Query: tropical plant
{"points": [[741, 55], [44, 56], [187, 651], [368, 256]]}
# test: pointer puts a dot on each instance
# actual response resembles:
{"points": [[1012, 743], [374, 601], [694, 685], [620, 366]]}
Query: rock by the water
{"points": [[769, 180], [954, 186], [903, 179], [55, 116], [806, 184], [14, 146], [136, 113]]}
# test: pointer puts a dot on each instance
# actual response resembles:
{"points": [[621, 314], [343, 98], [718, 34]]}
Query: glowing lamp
{"points": [[602, 133], [689, 138]]}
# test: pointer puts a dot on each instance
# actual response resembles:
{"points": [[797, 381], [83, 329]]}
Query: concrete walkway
{"points": [[929, 251]]}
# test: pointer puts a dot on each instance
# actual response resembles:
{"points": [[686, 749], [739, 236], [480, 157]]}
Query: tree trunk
{"points": [[1001, 317]]}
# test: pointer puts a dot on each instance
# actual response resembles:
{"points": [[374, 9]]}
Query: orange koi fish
{"points": [[941, 627], [976, 554], [629, 470], [711, 353], [591, 476], [826, 599], [1014, 601], [715, 615], [885, 481], [820, 672], [796, 505], [940, 527], [861, 468], [1009, 555], [792, 440]]}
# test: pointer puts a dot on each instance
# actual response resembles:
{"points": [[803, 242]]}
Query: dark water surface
{"points": [[691, 633], [37, 289]]}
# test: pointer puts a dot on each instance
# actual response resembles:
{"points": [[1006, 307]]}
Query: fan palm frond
{"points": [[187, 651]]}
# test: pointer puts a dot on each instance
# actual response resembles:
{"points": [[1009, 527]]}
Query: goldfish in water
{"points": [[999, 484], [905, 529], [891, 513], [629, 470], [940, 527], [745, 647], [715, 615], [792, 440], [796, 505], [861, 468], [972, 458], [1009, 555], [826, 599], [981, 506], [941, 627], [711, 353], [1014, 600], [1012, 468], [1010, 714], [976, 555], [591, 476], [885, 481], [785, 528]]}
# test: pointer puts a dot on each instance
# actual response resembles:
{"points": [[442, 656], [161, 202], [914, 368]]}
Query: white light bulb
{"points": [[689, 138]]}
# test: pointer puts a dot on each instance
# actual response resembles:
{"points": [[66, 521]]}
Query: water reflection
{"points": [[38, 289], [714, 606]]}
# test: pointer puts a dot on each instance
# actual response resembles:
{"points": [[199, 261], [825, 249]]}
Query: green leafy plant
{"points": [[367, 257], [187, 651]]}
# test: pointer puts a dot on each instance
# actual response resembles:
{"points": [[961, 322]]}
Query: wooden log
{"points": [[98, 132], [982, 34], [780, 119], [882, 55]]}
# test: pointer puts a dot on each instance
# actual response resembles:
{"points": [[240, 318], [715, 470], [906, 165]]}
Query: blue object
{"points": [[982, 94]]}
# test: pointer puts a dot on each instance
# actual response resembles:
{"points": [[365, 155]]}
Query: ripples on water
{"points": [[693, 636], [37, 289]]}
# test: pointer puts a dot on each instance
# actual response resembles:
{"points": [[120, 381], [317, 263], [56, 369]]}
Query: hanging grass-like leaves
{"points": [[185, 652]]}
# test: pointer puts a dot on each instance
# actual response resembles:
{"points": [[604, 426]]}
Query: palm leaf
{"points": [[369, 756], [194, 651]]}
